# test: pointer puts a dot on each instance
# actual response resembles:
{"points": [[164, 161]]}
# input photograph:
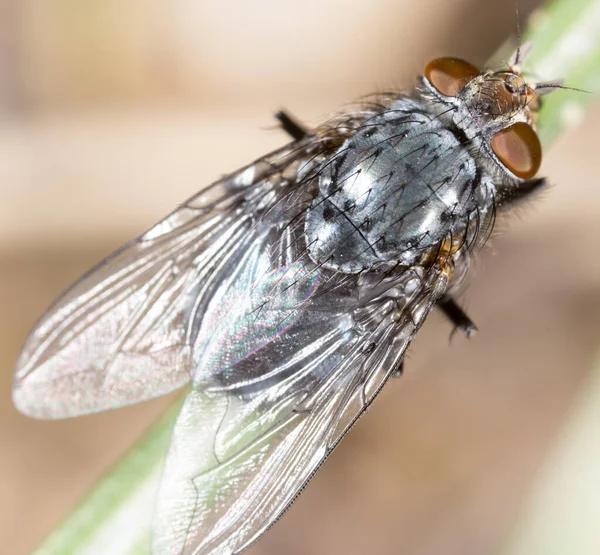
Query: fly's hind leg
{"points": [[399, 370], [291, 126], [457, 316]]}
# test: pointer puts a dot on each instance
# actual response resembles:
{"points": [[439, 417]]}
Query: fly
{"points": [[288, 292]]}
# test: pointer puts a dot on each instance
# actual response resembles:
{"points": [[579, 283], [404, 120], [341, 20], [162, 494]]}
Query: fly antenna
{"points": [[518, 52], [549, 86], [523, 48]]}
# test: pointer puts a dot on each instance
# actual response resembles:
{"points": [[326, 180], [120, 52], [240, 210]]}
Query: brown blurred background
{"points": [[112, 112]]}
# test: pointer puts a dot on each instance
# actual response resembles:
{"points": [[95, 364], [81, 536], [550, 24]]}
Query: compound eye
{"points": [[519, 149], [450, 75]]}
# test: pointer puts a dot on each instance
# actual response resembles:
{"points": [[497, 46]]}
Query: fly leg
{"points": [[399, 370], [457, 316], [510, 196], [291, 126]]}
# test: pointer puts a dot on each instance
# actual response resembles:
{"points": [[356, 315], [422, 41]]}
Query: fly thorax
{"points": [[391, 194]]}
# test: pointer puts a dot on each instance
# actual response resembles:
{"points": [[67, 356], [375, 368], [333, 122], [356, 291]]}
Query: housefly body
{"points": [[287, 293]]}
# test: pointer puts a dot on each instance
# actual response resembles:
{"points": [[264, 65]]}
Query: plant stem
{"points": [[116, 516]]}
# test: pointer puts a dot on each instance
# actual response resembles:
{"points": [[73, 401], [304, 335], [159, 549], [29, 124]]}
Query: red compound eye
{"points": [[519, 149], [450, 75]]}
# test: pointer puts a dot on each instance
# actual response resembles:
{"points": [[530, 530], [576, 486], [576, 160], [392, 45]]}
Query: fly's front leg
{"points": [[457, 316], [510, 196], [291, 126]]}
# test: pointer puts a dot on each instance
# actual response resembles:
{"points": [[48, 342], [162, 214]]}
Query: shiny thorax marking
{"points": [[392, 192]]}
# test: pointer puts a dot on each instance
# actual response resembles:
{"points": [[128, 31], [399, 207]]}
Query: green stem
{"points": [[566, 36], [115, 518], [561, 515]]}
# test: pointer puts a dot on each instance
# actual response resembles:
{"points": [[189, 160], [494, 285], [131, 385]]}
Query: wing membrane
{"points": [[124, 333]]}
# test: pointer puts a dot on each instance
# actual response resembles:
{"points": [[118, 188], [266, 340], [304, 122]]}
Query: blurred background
{"points": [[112, 112]]}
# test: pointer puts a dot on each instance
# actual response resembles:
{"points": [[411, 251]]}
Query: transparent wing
{"points": [[124, 332], [290, 355]]}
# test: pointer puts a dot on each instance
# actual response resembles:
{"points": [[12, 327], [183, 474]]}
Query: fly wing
{"points": [[290, 356], [124, 333]]}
